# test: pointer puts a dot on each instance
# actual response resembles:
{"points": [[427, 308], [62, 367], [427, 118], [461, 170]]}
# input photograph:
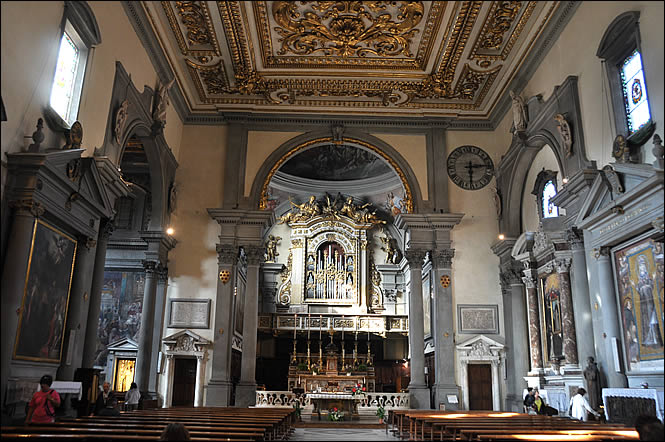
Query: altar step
{"points": [[340, 424]]}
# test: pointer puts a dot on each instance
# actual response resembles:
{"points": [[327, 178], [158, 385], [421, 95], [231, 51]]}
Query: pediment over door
{"points": [[185, 341], [124, 344], [480, 348], [623, 201]]}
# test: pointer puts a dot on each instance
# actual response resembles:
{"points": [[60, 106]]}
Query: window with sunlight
{"points": [[549, 192], [63, 99], [634, 93]]}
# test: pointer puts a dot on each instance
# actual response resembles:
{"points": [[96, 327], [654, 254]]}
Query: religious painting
{"points": [[124, 374], [551, 317], [427, 304], [639, 277], [43, 311], [239, 303], [120, 310], [395, 202]]}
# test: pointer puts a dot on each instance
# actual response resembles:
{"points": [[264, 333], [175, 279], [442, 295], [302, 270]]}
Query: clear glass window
{"points": [[634, 92], [64, 82], [549, 192]]}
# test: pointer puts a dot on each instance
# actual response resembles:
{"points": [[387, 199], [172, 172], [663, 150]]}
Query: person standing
{"points": [[132, 397], [580, 408], [41, 409]]}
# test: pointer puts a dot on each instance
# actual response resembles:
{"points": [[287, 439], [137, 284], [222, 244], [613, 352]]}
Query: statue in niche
{"points": [[520, 117], [393, 255], [271, 248]]}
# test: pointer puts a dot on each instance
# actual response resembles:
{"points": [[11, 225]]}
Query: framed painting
{"points": [[45, 301], [551, 317], [239, 303], [477, 318], [638, 270], [427, 304]]}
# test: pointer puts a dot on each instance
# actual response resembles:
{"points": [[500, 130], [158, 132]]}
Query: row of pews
{"points": [[205, 423], [490, 426]]}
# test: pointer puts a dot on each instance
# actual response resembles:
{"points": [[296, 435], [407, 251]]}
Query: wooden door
{"points": [[480, 386], [184, 381]]}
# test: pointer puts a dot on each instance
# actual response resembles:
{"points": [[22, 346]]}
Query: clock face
{"points": [[470, 167]]}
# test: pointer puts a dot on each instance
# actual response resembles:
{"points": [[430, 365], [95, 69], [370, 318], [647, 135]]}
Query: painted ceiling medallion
{"points": [[347, 28]]}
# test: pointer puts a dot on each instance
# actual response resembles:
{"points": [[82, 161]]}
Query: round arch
{"points": [[287, 150]]}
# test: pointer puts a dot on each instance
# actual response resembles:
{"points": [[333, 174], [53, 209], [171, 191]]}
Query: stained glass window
{"points": [[64, 82], [634, 92], [549, 192]]}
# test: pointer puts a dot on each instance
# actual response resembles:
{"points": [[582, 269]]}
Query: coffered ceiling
{"points": [[434, 58]]}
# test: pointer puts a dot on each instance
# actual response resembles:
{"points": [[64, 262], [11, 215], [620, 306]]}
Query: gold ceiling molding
{"points": [[195, 18], [347, 32], [406, 55]]}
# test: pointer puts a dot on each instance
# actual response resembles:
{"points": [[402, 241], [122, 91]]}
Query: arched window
{"points": [[545, 189], [79, 34], [548, 207], [622, 55]]}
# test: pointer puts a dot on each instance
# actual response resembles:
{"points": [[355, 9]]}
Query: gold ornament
{"points": [[445, 281], [224, 276]]}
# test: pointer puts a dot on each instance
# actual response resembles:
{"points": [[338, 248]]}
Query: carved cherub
{"points": [[271, 247]]}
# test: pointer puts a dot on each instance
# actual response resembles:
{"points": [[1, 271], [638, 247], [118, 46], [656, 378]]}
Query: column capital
{"points": [[562, 265], [254, 254], [415, 257], [227, 254], [529, 282], [90, 243], [575, 238], [163, 274], [510, 277], [150, 267], [600, 252], [106, 228], [28, 205], [443, 258]]}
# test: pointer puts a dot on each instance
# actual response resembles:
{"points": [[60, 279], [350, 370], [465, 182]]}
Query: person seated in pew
{"points": [[175, 431], [649, 427], [111, 409], [541, 407], [104, 397], [529, 399]]}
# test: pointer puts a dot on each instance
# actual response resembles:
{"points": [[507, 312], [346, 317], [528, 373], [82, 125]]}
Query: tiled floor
{"points": [[341, 434]]}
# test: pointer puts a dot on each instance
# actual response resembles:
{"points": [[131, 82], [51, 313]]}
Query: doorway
{"points": [[480, 386], [184, 381]]}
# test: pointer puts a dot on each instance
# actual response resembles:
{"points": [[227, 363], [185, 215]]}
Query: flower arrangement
{"points": [[358, 390], [362, 367], [302, 367], [335, 415], [381, 412]]}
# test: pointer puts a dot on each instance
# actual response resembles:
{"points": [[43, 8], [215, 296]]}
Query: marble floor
{"points": [[337, 434]]}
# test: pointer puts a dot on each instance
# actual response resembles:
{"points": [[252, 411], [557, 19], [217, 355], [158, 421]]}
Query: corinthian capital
{"points": [[415, 257], [227, 254], [529, 282], [254, 254], [443, 258]]}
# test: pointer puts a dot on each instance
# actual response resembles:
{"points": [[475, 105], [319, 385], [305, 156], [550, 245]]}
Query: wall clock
{"points": [[470, 167]]}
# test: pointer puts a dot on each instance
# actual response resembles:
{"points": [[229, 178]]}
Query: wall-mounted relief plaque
{"points": [[476, 318], [189, 313]]}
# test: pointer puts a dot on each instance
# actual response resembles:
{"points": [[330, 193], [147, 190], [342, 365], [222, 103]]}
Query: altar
{"points": [[346, 403]]}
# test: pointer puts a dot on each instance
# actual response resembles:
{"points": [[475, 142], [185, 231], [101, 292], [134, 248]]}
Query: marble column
{"points": [[610, 315], [569, 336], [158, 327], [13, 277], [534, 323], [444, 347], [77, 312], [579, 285], [419, 393], [200, 379], [246, 389], [90, 345], [496, 385], [219, 386], [168, 376], [143, 356]]}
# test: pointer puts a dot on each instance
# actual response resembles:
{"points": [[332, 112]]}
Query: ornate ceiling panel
{"points": [[396, 57]]}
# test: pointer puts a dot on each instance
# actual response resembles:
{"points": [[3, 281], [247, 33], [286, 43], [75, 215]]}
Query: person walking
{"points": [[132, 397], [41, 409], [579, 406]]}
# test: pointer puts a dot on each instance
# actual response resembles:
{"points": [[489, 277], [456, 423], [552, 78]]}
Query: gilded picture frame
{"points": [[551, 318], [638, 271], [45, 303]]}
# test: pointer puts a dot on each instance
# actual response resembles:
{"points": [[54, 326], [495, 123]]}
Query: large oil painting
{"points": [[551, 317], [46, 295], [639, 276]]}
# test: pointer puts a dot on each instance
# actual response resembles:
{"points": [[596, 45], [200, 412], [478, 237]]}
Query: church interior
{"points": [[388, 205]]}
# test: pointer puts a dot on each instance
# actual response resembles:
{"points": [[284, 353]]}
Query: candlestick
{"points": [[320, 325], [368, 329], [309, 322], [342, 328], [295, 325]]}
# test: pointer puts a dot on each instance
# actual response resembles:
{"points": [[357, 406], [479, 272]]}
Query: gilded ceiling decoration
{"points": [[445, 58]]}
